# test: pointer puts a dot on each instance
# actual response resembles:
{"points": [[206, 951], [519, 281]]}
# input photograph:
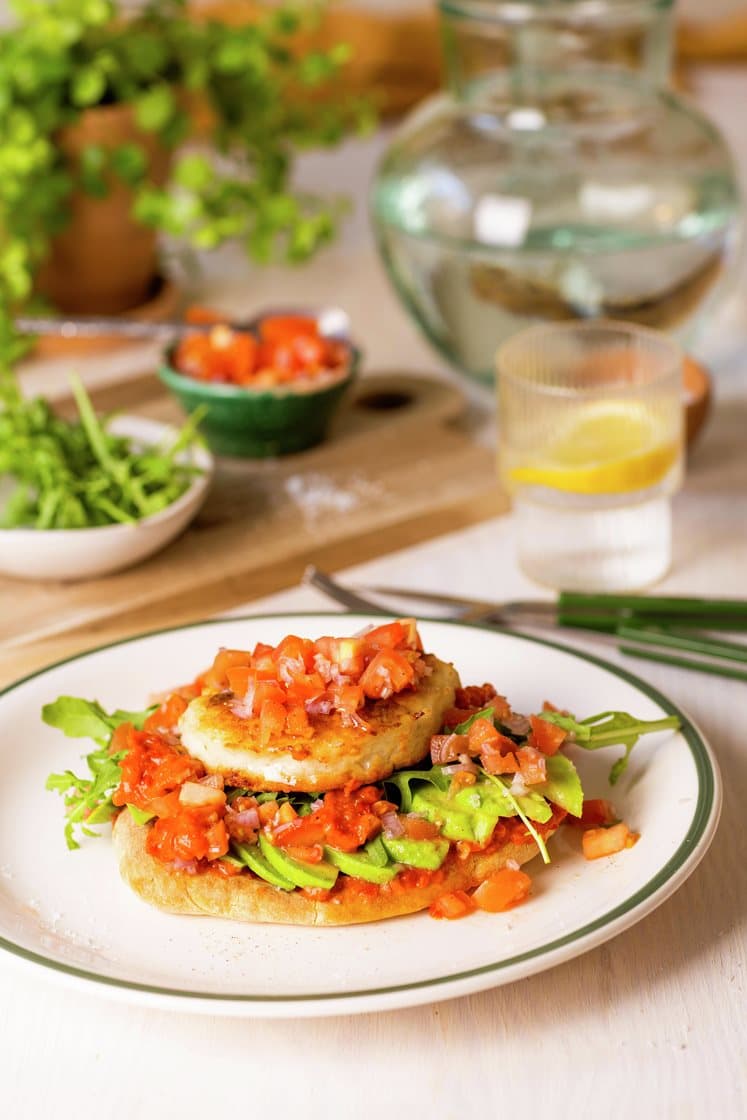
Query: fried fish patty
{"points": [[228, 743]]}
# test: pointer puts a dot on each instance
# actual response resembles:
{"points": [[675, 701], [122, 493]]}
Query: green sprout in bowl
{"points": [[78, 474]]}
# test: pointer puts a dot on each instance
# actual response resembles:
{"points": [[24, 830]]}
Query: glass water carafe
{"points": [[555, 181]]}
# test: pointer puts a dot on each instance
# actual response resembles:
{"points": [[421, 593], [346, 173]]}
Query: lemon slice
{"points": [[609, 448]]}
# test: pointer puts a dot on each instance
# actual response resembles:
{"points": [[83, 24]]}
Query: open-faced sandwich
{"points": [[335, 781]]}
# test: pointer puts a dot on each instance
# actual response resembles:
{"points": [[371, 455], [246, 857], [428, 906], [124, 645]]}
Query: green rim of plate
{"points": [[701, 817]]}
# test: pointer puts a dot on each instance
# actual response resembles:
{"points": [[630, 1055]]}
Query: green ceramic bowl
{"points": [[258, 423]]}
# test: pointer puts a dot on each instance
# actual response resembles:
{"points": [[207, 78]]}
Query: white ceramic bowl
{"points": [[75, 554]]}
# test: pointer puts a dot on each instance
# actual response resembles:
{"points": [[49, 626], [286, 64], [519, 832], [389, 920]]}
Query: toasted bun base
{"points": [[244, 898]]}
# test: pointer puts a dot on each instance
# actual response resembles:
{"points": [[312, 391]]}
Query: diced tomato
{"points": [[416, 828], [454, 716], [241, 358], [412, 636], [297, 723], [347, 698], [306, 686], [238, 679], [266, 691], [167, 714], [532, 765], [392, 635], [546, 737], [285, 328], [597, 813], [349, 654], [195, 357], [286, 813], [151, 768], [498, 762], [271, 721], [599, 842], [301, 832], [309, 351], [267, 811], [295, 649], [548, 706], [216, 677], [189, 836], [389, 672], [474, 696], [452, 905], [164, 805], [382, 807], [481, 734], [217, 840], [345, 820], [461, 780], [502, 890]]}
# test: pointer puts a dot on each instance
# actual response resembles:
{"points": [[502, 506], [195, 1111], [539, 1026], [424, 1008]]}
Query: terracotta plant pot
{"points": [[104, 261]]}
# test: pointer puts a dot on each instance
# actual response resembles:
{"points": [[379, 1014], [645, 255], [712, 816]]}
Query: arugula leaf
{"points": [[86, 719], [88, 801], [610, 729], [463, 728], [401, 780], [74, 474]]}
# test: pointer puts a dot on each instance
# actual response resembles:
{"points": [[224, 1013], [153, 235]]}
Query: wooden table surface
{"points": [[651, 1024]]}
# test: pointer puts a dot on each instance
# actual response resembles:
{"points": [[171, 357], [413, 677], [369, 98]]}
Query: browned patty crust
{"points": [[229, 743]]}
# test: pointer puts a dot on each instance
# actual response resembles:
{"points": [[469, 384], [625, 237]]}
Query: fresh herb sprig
{"points": [[88, 801], [73, 475], [609, 729], [254, 92]]}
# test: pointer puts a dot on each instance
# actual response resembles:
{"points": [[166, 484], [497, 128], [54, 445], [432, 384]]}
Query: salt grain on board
{"points": [[317, 495]]}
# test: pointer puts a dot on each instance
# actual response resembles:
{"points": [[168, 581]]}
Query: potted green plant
{"points": [[96, 107]]}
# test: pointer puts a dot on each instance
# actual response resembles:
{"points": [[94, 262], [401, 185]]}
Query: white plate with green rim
{"points": [[70, 914]]}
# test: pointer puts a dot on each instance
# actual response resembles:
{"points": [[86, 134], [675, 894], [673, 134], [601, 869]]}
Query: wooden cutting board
{"points": [[400, 453]]}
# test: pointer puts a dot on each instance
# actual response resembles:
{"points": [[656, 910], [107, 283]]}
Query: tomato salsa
{"points": [[283, 350]]}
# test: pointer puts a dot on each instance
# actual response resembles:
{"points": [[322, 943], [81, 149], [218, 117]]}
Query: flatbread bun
{"points": [[244, 898]]}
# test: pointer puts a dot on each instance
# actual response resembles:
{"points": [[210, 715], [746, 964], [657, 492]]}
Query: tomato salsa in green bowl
{"points": [[271, 389]]}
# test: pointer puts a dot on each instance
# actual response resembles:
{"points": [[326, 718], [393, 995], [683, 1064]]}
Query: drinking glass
{"points": [[591, 450]]}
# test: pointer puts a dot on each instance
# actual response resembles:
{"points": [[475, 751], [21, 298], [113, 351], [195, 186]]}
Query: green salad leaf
{"points": [[463, 728], [77, 474], [402, 779], [86, 719], [609, 729], [88, 800]]}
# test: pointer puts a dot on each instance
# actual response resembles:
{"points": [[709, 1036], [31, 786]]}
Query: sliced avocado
{"points": [[140, 816], [360, 866], [459, 819], [299, 873], [376, 852], [563, 785], [251, 856], [233, 860], [473, 812], [429, 854]]}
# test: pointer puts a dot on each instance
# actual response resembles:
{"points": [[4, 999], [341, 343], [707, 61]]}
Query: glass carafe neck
{"points": [[482, 36]]}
